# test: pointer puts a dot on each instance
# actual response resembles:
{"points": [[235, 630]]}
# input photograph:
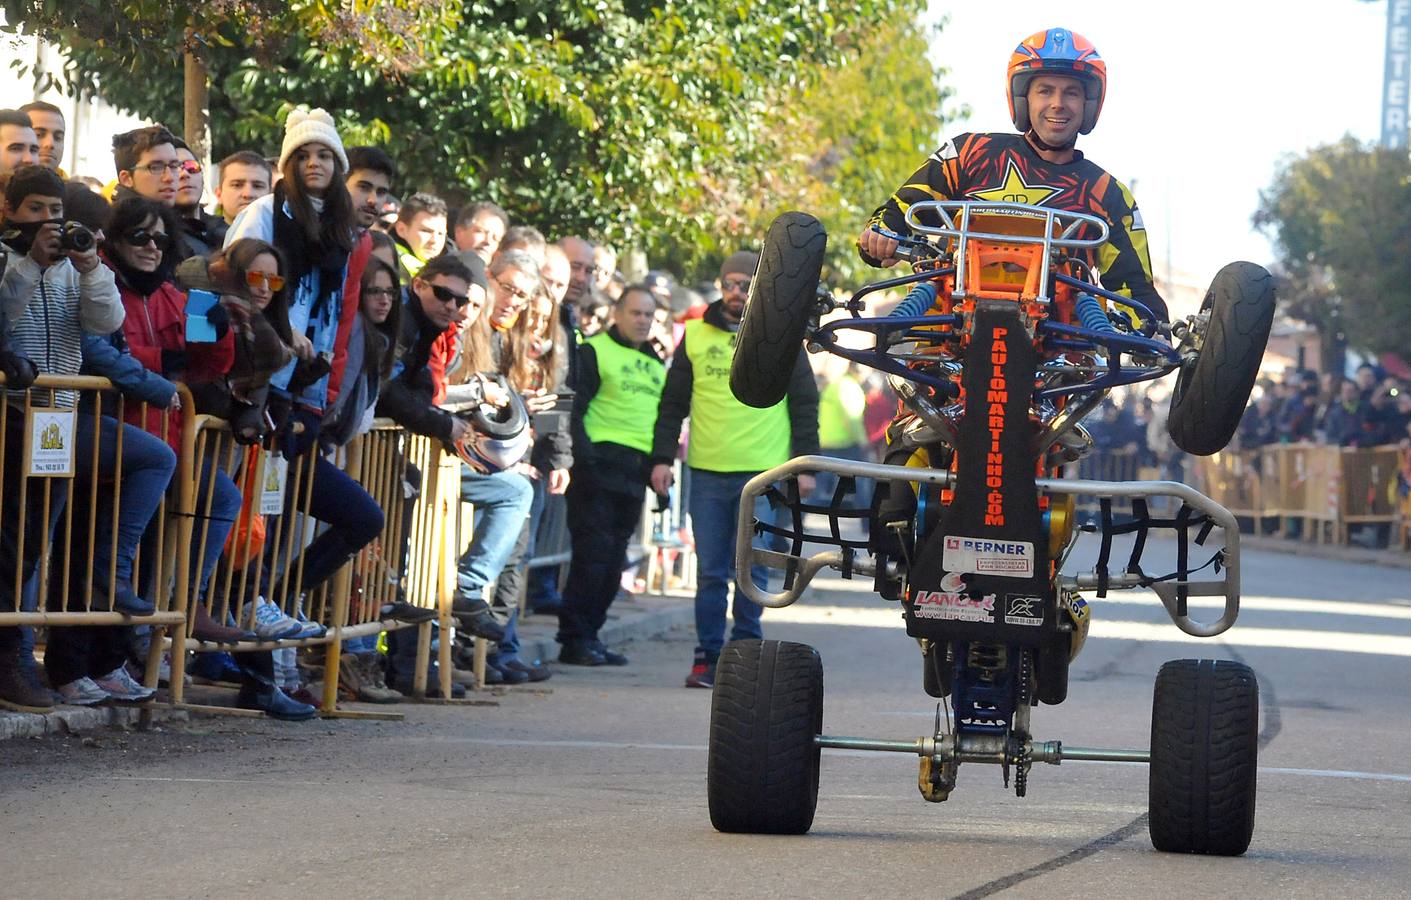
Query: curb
{"points": [[1389, 558], [72, 719]]}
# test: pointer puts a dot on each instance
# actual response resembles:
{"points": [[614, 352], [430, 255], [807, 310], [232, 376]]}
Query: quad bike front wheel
{"points": [[1204, 756], [762, 775], [1212, 388], [782, 296]]}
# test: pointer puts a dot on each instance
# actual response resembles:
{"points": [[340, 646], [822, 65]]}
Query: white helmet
{"points": [[498, 437]]}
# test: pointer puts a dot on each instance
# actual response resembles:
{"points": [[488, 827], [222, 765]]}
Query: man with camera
{"points": [[54, 291]]}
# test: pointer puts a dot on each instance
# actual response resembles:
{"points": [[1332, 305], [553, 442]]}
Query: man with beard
{"points": [[730, 443]]}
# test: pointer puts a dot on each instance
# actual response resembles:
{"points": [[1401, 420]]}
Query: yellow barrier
{"points": [[1326, 490], [349, 604], [44, 480]]}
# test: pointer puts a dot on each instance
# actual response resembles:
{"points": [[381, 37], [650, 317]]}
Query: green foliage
{"points": [[1340, 218], [678, 126]]}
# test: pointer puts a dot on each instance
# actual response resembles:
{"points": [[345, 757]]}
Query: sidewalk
{"points": [[1391, 558], [641, 618]]}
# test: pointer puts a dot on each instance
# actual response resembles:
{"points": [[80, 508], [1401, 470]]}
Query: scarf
{"points": [[304, 256]]}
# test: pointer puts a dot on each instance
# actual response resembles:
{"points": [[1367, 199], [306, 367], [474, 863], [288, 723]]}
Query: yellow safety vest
{"points": [[624, 410], [727, 435]]}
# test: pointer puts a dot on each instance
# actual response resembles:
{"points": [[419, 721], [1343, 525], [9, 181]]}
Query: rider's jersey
{"points": [[1006, 168]]}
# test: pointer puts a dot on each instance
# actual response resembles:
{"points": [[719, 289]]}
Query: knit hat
{"points": [[308, 126], [743, 262]]}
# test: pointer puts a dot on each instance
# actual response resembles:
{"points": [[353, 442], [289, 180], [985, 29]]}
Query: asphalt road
{"points": [[597, 788]]}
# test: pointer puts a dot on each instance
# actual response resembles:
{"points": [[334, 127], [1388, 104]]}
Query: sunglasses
{"points": [[273, 282], [142, 237], [735, 284], [446, 295]]}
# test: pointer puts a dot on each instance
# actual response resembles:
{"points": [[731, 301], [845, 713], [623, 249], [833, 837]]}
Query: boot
{"points": [[375, 689], [275, 703], [20, 692], [206, 628]]}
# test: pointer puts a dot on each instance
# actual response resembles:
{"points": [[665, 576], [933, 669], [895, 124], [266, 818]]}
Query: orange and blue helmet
{"points": [[1056, 51]]}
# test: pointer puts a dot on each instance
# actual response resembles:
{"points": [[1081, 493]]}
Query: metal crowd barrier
{"points": [[1315, 491], [45, 479], [415, 564]]}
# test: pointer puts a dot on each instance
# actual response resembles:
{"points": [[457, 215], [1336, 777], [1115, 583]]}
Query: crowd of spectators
{"points": [[298, 295], [1370, 409]]}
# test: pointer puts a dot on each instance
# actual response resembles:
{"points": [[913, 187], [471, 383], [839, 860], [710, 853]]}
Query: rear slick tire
{"points": [[762, 774], [782, 297], [1204, 757], [1212, 389]]}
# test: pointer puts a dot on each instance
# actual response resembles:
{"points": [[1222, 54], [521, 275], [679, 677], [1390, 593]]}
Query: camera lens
{"points": [[76, 237]]}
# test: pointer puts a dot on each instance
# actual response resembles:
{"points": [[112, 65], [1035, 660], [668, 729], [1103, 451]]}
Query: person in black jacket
{"points": [[730, 443], [620, 382]]}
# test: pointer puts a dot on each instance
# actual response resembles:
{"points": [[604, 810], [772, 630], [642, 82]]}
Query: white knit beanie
{"points": [[308, 126]]}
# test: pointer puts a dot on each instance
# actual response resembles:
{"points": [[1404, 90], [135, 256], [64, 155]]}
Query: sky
{"points": [[1204, 98]]}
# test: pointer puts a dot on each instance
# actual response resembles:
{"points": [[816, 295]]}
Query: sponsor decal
{"points": [[996, 397], [1008, 559], [950, 605], [1021, 610]]}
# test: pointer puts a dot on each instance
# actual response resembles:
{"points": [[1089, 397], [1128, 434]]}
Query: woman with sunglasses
{"points": [[140, 245]]}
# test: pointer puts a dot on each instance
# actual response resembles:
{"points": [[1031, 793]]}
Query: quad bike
{"points": [[1004, 343]]}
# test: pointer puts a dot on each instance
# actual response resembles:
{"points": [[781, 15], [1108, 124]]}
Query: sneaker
{"points": [[476, 617], [271, 624], [375, 689], [122, 688], [351, 676], [20, 692], [81, 692], [702, 672], [309, 629]]}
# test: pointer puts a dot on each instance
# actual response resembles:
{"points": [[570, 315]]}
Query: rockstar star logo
{"points": [[1015, 189]]}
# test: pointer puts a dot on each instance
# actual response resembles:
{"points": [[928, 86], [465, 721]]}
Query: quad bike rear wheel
{"points": [[782, 297], [762, 774], [1204, 757], [1213, 388]]}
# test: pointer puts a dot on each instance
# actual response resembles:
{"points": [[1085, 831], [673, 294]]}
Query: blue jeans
{"points": [[354, 520], [147, 467], [501, 502], [714, 504]]}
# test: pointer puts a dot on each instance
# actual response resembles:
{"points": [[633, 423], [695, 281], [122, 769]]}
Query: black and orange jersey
{"points": [[1006, 168]]}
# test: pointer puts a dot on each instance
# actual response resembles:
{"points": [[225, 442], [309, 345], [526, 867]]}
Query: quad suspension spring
{"points": [[989, 659]]}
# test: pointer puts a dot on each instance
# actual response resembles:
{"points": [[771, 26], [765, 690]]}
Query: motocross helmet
{"points": [[1056, 51], [498, 437]]}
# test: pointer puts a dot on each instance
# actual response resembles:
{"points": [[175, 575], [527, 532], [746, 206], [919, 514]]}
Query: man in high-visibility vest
{"points": [[730, 443], [620, 383]]}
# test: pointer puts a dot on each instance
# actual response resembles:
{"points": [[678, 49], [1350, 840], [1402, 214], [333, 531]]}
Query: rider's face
{"points": [[1056, 108]]}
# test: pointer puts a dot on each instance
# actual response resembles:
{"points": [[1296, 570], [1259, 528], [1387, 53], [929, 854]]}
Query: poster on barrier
{"points": [[276, 471], [49, 443]]}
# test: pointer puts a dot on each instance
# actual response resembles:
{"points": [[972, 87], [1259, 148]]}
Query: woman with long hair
{"points": [[536, 366], [309, 218]]}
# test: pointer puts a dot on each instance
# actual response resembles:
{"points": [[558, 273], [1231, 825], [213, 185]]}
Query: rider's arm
{"points": [[803, 409], [935, 180], [674, 406], [1125, 259]]}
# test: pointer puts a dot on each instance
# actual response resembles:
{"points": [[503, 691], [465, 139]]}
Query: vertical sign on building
{"points": [[1396, 82]]}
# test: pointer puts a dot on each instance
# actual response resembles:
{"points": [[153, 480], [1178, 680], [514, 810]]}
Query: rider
{"points": [[1056, 87]]}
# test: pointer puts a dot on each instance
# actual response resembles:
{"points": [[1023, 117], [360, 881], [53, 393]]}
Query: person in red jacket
{"points": [[140, 246]]}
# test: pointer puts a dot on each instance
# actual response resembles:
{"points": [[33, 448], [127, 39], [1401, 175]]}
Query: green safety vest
{"points": [[624, 410], [727, 435]]}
